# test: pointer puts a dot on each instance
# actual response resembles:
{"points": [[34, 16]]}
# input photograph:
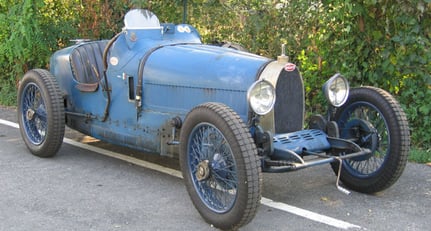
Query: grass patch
{"points": [[420, 155]]}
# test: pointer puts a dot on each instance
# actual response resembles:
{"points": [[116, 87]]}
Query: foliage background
{"points": [[381, 43]]}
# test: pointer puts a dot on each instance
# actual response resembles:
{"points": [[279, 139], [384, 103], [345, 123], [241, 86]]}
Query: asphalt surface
{"points": [[80, 189]]}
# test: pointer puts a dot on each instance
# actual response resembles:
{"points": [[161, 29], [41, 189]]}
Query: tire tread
{"points": [[251, 163], [55, 112]]}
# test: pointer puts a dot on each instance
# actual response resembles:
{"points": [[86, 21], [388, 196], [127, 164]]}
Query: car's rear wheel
{"points": [[373, 119], [41, 113], [220, 166]]}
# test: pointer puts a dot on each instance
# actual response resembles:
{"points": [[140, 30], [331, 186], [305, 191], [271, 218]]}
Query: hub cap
{"points": [[203, 170]]}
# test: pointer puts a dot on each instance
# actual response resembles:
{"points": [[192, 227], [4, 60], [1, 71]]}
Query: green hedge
{"points": [[379, 43]]}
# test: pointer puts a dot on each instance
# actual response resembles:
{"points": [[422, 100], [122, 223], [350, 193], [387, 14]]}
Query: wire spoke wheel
{"points": [[373, 119], [220, 166], [34, 114], [213, 168], [364, 124], [41, 113]]}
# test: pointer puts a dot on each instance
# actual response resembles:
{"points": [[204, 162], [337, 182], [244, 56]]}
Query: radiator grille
{"points": [[289, 105]]}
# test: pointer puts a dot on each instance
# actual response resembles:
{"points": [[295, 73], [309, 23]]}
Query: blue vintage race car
{"points": [[228, 115]]}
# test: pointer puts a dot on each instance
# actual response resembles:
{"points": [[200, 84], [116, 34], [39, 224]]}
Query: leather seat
{"points": [[86, 61]]}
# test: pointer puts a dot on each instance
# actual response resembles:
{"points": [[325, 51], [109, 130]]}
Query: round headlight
{"points": [[261, 96], [336, 90]]}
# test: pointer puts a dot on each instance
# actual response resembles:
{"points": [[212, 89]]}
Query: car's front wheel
{"points": [[373, 119], [41, 113], [220, 166]]}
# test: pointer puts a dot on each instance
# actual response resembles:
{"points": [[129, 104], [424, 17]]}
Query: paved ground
{"points": [[83, 190]]}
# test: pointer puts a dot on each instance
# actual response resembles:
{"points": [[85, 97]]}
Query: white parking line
{"points": [[8, 123], [265, 201], [308, 214]]}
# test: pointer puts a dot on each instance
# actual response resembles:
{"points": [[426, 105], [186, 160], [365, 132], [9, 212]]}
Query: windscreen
{"points": [[141, 19]]}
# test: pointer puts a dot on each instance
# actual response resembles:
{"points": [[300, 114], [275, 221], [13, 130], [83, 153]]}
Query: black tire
{"points": [[227, 189], [373, 119], [41, 113]]}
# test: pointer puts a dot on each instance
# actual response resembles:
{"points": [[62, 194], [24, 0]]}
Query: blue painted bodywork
{"points": [[177, 71]]}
